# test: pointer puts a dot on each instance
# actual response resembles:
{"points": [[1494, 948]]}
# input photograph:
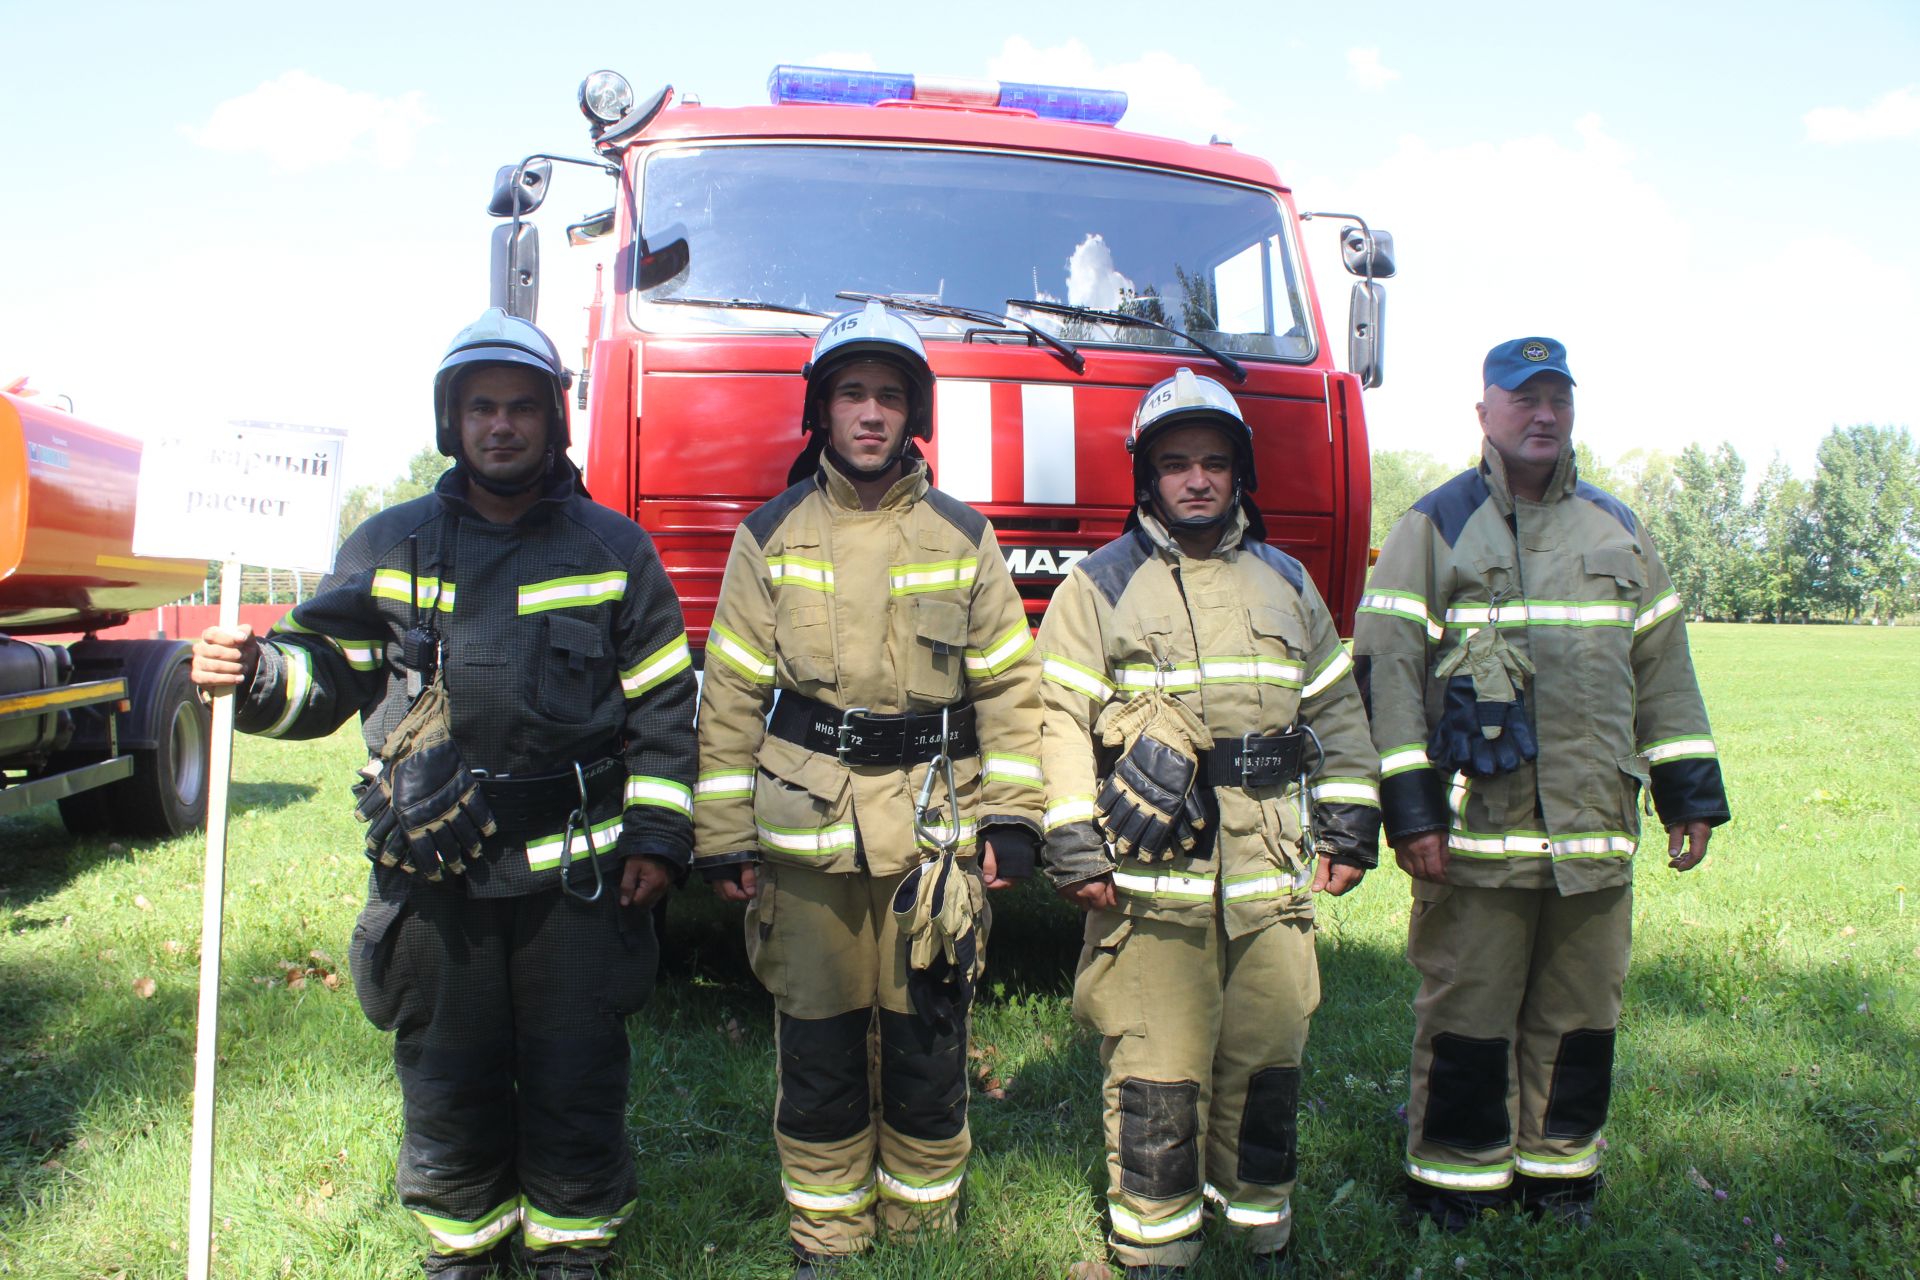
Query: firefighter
{"points": [[897, 776], [1528, 677], [1208, 770], [521, 671]]}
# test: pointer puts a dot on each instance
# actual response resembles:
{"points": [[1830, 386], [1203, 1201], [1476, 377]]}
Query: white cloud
{"points": [[1561, 235], [1164, 95], [1893, 115], [1368, 71], [1092, 279], [301, 122]]}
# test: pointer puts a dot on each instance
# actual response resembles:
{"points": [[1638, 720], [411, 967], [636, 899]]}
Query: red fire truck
{"points": [[1055, 264]]}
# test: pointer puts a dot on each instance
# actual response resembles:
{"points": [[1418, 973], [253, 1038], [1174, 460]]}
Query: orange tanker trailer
{"points": [[110, 729]]}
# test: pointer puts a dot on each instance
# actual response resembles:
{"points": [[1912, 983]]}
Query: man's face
{"points": [[1193, 472], [505, 412], [1530, 425], [867, 406]]}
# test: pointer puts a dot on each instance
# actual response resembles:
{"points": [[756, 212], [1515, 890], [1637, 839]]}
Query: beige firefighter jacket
{"points": [[1574, 583], [1242, 639], [908, 607]]}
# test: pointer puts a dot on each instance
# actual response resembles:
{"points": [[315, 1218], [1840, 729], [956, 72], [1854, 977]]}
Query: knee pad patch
{"points": [[823, 1077], [1268, 1126], [923, 1078], [1467, 1093], [1159, 1138], [1582, 1085]]}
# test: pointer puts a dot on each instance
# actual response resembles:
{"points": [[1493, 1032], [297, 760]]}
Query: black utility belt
{"points": [[538, 804], [857, 736], [1257, 760]]}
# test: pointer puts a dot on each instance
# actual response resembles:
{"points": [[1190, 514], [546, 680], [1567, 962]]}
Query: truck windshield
{"points": [[790, 226]]}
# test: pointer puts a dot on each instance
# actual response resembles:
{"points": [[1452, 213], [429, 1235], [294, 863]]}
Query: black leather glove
{"points": [[1143, 798], [1460, 742], [441, 811]]}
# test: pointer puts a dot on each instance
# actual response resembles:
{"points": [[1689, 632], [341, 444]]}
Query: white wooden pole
{"points": [[212, 902]]}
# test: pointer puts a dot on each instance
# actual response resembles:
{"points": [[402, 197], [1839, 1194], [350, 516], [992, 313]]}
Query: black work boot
{"points": [[1154, 1271], [473, 1266], [815, 1266], [1567, 1201], [1452, 1211], [1277, 1263]]}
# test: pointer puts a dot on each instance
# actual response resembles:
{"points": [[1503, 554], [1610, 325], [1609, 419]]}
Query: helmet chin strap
{"points": [[1193, 525], [847, 468]]}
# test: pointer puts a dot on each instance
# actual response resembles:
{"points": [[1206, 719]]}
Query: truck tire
{"points": [[167, 794]]}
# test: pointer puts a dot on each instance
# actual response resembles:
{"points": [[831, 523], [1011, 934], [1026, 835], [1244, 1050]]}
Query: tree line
{"points": [[1843, 546]]}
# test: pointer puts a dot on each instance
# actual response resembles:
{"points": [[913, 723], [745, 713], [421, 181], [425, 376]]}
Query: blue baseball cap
{"points": [[1511, 363]]}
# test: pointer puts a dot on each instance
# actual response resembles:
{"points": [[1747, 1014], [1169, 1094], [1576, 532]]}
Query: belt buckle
{"points": [[840, 744], [1250, 776]]}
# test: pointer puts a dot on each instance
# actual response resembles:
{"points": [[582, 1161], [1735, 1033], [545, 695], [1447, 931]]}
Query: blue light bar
{"points": [[787, 83]]}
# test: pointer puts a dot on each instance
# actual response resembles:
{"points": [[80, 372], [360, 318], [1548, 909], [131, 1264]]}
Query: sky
{"points": [[272, 212]]}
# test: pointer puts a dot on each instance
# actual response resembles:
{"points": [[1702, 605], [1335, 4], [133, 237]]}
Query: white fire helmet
{"points": [[497, 338], [871, 333], [1189, 400]]}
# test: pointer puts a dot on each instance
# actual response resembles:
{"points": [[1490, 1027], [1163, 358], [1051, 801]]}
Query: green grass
{"points": [[1770, 1046]]}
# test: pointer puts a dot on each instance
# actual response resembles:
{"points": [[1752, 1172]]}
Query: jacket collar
{"points": [[451, 489], [1561, 484], [1232, 534], [903, 493]]}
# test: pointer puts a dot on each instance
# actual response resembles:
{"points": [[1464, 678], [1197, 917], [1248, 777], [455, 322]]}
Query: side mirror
{"points": [[590, 228], [515, 274], [661, 264], [1366, 318], [523, 197], [1367, 253]]}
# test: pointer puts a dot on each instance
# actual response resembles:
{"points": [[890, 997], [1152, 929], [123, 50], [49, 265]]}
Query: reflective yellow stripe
{"points": [[1464, 1177], [1247, 670], [546, 1229], [1270, 884], [664, 663], [850, 1198], [1680, 749], [1542, 613], [1250, 1215], [1021, 770], [722, 784], [576, 592], [296, 681], [1346, 791], [796, 571], [917, 1191], [1002, 654], [1401, 759], [941, 575], [428, 593], [1136, 677], [1336, 666], [1664, 607], [811, 842], [664, 792], [739, 655], [1165, 884], [544, 853], [1578, 1165], [1127, 1224], [1068, 809], [1069, 674], [454, 1236], [1403, 605]]}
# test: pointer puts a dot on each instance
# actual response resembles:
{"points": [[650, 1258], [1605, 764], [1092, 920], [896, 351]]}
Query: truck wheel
{"points": [[167, 794], [90, 813]]}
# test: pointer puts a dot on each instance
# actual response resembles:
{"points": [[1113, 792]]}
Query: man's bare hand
{"points": [[1336, 877], [225, 660], [743, 890], [1424, 857], [1091, 895], [644, 881], [1695, 836]]}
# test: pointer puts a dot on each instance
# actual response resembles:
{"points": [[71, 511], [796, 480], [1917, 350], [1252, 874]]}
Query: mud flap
{"points": [[823, 1077], [1582, 1085], [1269, 1126], [1467, 1093], [1159, 1138]]}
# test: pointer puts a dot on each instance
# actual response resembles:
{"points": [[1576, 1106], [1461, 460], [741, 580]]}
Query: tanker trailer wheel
{"points": [[167, 794]]}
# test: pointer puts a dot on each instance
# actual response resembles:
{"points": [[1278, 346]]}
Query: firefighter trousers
{"points": [[1202, 1038], [509, 1020], [1513, 1039], [870, 1117]]}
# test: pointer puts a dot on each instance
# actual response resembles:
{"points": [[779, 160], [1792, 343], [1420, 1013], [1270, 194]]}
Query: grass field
{"points": [[1766, 1115]]}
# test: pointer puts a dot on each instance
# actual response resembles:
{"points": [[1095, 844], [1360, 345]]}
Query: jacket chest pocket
{"points": [[803, 643], [571, 664], [1613, 580], [1280, 663], [937, 667]]}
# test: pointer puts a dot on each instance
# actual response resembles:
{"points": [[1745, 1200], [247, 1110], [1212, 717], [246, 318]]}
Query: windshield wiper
{"points": [[743, 304], [973, 315], [1224, 360]]}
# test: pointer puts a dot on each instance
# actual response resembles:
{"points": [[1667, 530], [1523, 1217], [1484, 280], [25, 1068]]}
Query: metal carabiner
{"points": [[1301, 797], [941, 766], [578, 820]]}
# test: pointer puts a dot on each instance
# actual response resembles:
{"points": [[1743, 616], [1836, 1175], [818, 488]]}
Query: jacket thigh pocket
{"points": [[1106, 989], [803, 809], [766, 948]]}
